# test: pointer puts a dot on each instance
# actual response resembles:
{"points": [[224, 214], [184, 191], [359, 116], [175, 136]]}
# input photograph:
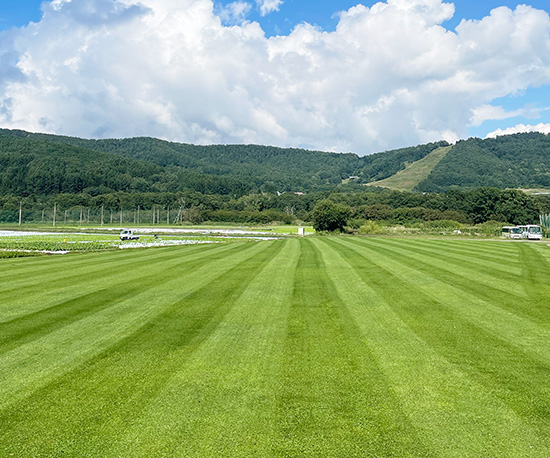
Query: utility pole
{"points": [[54, 212], [20, 211], [102, 215]]}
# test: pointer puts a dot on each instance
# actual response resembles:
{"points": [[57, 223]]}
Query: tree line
{"points": [[463, 206]]}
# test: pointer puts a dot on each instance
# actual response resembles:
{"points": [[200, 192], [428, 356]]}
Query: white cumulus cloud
{"points": [[235, 12], [496, 112], [268, 6], [520, 128], [388, 76]]}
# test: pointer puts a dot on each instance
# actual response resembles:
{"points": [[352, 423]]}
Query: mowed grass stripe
{"points": [[515, 375], [82, 411], [221, 400], [70, 273], [457, 415], [494, 251], [462, 270], [536, 276], [42, 360], [457, 275], [523, 333], [506, 268], [332, 398], [18, 268], [110, 291]]}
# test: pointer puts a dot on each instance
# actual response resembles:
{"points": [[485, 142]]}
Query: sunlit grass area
{"points": [[321, 347]]}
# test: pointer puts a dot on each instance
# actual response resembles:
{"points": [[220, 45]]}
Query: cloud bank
{"points": [[388, 76]]}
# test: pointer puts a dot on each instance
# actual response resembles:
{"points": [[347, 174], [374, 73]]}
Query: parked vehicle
{"points": [[533, 232], [512, 232], [128, 234]]}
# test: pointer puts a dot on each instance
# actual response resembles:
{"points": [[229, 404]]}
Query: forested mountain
{"points": [[147, 164], [43, 164]]}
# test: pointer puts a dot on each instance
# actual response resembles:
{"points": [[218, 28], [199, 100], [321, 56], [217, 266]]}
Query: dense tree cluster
{"points": [[471, 206]]}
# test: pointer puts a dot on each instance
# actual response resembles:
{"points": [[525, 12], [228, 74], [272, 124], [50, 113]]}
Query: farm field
{"points": [[321, 347]]}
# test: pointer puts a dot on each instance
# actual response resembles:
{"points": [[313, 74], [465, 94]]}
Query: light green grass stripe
{"points": [[220, 401], [459, 274], [37, 363], [64, 284], [524, 334], [59, 419], [457, 416], [332, 398]]}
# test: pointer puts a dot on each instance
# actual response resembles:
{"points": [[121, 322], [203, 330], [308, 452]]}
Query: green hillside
{"points": [[43, 164], [513, 161], [414, 173], [214, 169]]}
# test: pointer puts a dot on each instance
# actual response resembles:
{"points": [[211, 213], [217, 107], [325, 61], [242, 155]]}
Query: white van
{"points": [[512, 232]]}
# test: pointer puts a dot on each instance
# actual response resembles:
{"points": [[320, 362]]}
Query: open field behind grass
{"points": [[321, 347]]}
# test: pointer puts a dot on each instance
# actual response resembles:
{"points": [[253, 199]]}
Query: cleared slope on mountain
{"points": [[414, 173]]}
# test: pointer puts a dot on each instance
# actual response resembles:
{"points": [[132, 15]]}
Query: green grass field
{"points": [[319, 347]]}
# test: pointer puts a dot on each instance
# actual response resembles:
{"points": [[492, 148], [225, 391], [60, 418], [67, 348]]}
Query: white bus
{"points": [[533, 232]]}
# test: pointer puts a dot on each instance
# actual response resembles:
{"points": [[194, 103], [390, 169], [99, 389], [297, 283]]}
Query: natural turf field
{"points": [[320, 347]]}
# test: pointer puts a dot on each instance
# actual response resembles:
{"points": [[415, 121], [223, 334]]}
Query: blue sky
{"points": [[252, 80]]}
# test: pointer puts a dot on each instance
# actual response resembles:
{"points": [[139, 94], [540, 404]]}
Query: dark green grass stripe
{"points": [[516, 377], [69, 416], [437, 268], [475, 262], [333, 400], [94, 264], [52, 290], [34, 325], [450, 410]]}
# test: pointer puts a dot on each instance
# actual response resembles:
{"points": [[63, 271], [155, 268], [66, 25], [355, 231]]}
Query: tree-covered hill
{"points": [[168, 166], [513, 161], [45, 164]]}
